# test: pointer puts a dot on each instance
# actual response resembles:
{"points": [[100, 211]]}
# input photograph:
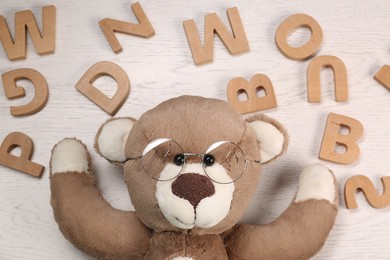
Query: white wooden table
{"points": [[161, 67]]}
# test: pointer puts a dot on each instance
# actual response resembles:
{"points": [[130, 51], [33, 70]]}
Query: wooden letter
{"points": [[25, 21], [361, 182], [22, 163], [105, 68], [254, 103], [292, 23], [236, 43], [13, 91], [110, 26], [333, 137], [314, 82], [383, 76]]}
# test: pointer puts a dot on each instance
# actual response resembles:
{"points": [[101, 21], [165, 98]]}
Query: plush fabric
{"points": [[91, 224], [112, 135], [69, 155], [270, 124], [299, 233], [110, 139], [189, 215], [315, 182]]}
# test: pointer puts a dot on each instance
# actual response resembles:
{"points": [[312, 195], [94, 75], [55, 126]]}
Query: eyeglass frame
{"points": [[201, 155]]}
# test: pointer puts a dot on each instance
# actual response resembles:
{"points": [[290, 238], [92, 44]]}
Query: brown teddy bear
{"points": [[191, 166]]}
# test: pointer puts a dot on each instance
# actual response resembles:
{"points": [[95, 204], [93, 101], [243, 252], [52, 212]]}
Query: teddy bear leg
{"points": [[300, 231], [83, 216]]}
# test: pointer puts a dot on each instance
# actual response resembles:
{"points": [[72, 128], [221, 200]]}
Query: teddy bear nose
{"points": [[193, 187]]}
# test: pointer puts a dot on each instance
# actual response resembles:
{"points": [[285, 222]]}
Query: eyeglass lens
{"points": [[219, 156]]}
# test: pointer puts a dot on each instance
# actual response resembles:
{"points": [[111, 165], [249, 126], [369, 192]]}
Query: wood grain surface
{"points": [[162, 67]]}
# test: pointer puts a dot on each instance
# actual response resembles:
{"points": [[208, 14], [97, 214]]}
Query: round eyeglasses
{"points": [[218, 157]]}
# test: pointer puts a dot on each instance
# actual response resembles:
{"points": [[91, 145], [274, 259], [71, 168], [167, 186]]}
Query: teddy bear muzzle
{"points": [[193, 187], [192, 199]]}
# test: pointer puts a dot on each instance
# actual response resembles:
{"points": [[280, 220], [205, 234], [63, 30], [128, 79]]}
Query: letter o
{"points": [[292, 23]]}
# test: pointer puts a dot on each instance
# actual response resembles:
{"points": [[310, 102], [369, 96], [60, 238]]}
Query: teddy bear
{"points": [[191, 166]]}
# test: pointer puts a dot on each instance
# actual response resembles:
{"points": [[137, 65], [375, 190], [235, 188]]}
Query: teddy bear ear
{"points": [[271, 136], [111, 139]]}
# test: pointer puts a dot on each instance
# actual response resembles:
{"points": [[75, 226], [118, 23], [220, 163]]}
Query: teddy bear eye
{"points": [[208, 160], [179, 159]]}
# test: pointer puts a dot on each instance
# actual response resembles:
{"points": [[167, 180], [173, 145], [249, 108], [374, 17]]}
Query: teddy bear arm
{"points": [[298, 233], [85, 218], [91, 224]]}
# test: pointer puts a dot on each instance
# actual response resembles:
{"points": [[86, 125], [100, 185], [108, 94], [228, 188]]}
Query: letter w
{"points": [[236, 42], [25, 21]]}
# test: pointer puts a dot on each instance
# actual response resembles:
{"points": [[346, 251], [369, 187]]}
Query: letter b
{"points": [[333, 137]]}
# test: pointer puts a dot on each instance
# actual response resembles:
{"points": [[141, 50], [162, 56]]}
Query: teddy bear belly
{"points": [[177, 246]]}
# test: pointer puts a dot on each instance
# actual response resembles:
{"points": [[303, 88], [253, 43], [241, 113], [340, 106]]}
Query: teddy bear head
{"points": [[191, 164]]}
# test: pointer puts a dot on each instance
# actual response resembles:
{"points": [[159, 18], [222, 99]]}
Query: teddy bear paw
{"points": [[316, 182], [69, 155]]}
